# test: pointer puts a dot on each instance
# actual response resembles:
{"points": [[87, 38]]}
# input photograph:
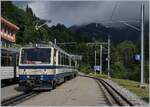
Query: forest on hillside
{"points": [[123, 63]]}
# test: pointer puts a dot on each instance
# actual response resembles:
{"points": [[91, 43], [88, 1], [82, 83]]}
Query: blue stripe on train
{"points": [[44, 77], [23, 77], [43, 67]]}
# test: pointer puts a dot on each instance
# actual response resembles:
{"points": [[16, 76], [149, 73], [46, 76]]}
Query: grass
{"points": [[133, 86], [99, 75]]}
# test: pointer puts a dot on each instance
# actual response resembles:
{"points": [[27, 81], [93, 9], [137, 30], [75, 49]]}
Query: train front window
{"points": [[36, 56]]}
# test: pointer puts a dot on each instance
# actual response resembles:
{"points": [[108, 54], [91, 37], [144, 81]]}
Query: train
{"points": [[9, 65], [44, 66]]}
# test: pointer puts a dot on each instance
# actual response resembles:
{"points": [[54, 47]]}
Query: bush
{"points": [[85, 69], [118, 70], [99, 75]]}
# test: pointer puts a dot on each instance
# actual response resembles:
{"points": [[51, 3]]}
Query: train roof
{"points": [[49, 44]]}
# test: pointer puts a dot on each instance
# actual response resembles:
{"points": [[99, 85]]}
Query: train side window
{"points": [[67, 60], [59, 58], [54, 61], [64, 63], [62, 58], [72, 62]]}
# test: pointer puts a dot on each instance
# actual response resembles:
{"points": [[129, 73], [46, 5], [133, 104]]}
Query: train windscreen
{"points": [[35, 56]]}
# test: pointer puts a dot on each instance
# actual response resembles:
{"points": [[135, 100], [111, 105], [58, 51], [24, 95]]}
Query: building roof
{"points": [[13, 26]]}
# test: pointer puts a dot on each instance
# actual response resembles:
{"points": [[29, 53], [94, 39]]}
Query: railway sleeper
{"points": [[128, 101], [109, 98], [117, 98]]}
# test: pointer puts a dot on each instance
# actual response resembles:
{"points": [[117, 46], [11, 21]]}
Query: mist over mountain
{"points": [[78, 12], [99, 32]]}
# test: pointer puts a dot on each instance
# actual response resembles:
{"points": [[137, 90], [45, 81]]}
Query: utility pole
{"points": [[108, 57], [142, 45], [95, 60], [101, 49]]}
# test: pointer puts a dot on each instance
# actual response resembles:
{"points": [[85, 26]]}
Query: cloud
{"points": [[79, 12]]}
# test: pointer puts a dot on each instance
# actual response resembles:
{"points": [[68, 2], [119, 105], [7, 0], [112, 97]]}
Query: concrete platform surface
{"points": [[80, 91]]}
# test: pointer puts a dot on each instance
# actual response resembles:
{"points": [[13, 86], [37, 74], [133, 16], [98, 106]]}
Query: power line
{"points": [[113, 10]]}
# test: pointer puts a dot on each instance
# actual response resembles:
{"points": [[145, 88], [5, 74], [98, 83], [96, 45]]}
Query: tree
{"points": [[123, 63]]}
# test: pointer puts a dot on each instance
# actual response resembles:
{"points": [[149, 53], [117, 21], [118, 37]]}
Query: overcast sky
{"points": [[80, 12]]}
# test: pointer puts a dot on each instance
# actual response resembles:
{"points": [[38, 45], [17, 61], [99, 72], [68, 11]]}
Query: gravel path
{"points": [[80, 91]]}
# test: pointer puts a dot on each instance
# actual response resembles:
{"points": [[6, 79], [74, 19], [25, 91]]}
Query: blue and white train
{"points": [[43, 66]]}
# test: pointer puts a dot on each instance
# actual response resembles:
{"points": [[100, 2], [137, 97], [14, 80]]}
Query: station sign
{"points": [[137, 57], [97, 68]]}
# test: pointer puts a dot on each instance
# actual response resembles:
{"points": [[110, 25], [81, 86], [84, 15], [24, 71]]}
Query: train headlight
{"points": [[41, 77], [28, 76]]}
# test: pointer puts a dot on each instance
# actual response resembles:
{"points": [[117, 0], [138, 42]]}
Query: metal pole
{"points": [[55, 41], [142, 44], [101, 49], [108, 56], [95, 60]]}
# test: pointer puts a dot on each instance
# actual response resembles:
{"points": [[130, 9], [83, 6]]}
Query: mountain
{"points": [[91, 31], [98, 31]]}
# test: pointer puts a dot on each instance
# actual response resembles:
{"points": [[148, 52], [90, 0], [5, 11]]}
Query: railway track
{"points": [[18, 99], [114, 97]]}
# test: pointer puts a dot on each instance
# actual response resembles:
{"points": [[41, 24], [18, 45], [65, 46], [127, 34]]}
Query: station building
{"points": [[8, 33], [8, 51]]}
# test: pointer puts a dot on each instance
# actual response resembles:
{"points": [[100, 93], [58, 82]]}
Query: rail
{"points": [[18, 98], [113, 96]]}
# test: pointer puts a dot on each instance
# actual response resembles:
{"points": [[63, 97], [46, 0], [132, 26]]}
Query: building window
{"points": [[2, 27], [7, 59], [9, 32]]}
